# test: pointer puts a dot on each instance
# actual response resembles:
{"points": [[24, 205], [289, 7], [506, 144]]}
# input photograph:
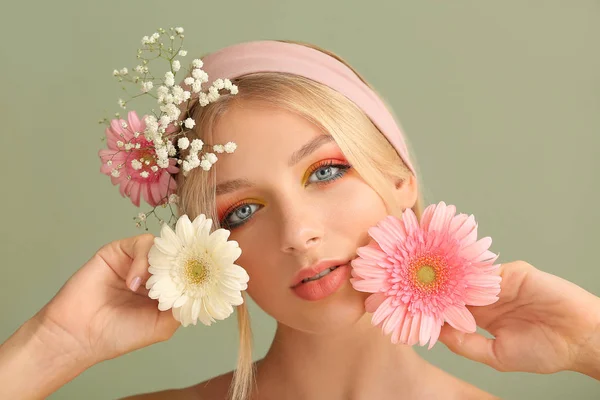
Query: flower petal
{"points": [[184, 230], [473, 251], [460, 318], [373, 302]]}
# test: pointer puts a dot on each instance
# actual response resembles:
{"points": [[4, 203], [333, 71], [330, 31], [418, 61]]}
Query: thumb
{"points": [[473, 346]]}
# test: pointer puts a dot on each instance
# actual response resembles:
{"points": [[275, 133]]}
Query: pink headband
{"points": [[272, 56]]}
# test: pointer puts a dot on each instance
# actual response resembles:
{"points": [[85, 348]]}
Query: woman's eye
{"points": [[242, 213], [239, 215], [327, 173]]}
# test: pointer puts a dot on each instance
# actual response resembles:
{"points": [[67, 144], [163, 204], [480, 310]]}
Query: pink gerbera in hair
{"points": [[424, 274], [131, 162]]}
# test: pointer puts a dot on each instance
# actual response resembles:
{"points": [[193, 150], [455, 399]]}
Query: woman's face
{"points": [[289, 207]]}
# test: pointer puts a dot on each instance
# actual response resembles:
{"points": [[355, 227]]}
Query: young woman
{"points": [[319, 160]]}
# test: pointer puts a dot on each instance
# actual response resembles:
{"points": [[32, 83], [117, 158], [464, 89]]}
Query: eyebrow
{"points": [[295, 158]]}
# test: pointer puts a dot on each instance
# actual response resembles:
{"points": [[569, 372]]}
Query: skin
{"points": [[542, 323]]}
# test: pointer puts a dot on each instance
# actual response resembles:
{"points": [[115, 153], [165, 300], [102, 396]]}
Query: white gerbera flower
{"points": [[194, 272]]}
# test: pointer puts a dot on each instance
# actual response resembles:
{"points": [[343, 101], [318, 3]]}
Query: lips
{"points": [[316, 269]]}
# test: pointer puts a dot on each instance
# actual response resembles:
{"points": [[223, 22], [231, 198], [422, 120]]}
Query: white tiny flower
{"points": [[135, 135], [154, 168], [212, 95], [169, 99], [109, 163], [189, 80], [196, 86], [169, 78], [162, 90], [182, 53], [218, 148], [230, 147], [202, 99], [123, 71], [139, 69], [205, 165], [198, 73], [171, 149], [138, 145], [186, 95], [176, 65], [116, 173], [163, 163], [136, 164], [197, 145], [144, 174], [119, 143], [115, 72], [129, 146], [189, 123], [122, 103], [219, 84], [155, 35], [171, 110], [145, 40], [234, 89], [172, 37], [211, 157], [193, 159], [173, 199], [197, 63], [165, 120], [179, 30], [183, 143], [162, 152], [142, 216], [177, 90], [186, 166], [147, 86]]}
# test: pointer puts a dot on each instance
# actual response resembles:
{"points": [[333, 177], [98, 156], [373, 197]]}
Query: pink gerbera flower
{"points": [[423, 275], [139, 173]]}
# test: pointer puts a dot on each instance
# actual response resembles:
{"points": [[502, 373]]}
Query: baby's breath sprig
{"points": [[146, 149]]}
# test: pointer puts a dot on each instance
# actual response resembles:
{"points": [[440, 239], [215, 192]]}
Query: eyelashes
{"points": [[242, 211]]}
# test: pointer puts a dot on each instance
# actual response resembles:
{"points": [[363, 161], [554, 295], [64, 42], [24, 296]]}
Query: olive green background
{"points": [[500, 100]]}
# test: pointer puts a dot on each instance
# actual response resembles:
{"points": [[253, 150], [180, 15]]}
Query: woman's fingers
{"points": [[128, 258], [138, 273], [473, 346]]}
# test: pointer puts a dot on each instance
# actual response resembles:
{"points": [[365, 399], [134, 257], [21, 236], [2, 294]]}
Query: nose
{"points": [[301, 229]]}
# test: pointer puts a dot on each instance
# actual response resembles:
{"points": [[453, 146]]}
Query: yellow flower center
{"points": [[426, 274], [197, 270], [429, 273]]}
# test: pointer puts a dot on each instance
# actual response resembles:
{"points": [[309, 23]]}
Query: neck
{"points": [[356, 363]]}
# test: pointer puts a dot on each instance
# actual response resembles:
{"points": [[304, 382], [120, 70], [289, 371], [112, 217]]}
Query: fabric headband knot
{"points": [[273, 56]]}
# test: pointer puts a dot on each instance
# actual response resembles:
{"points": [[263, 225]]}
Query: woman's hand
{"points": [[103, 309], [541, 323]]}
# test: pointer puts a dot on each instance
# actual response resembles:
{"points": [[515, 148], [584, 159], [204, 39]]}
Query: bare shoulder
{"points": [[174, 394], [215, 388], [212, 389], [453, 388]]}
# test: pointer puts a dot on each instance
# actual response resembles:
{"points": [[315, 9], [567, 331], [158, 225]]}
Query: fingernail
{"points": [[135, 283]]}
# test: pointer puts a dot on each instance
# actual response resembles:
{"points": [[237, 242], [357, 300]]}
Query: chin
{"points": [[340, 311]]}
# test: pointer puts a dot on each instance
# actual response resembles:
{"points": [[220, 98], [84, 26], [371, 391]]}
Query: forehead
{"points": [[264, 135]]}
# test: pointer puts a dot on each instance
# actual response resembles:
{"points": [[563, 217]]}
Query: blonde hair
{"points": [[351, 129]]}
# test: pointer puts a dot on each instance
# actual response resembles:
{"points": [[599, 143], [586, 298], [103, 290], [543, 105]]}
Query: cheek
{"points": [[357, 208]]}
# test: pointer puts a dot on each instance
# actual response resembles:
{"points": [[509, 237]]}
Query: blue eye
{"points": [[328, 172], [324, 173], [239, 215]]}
